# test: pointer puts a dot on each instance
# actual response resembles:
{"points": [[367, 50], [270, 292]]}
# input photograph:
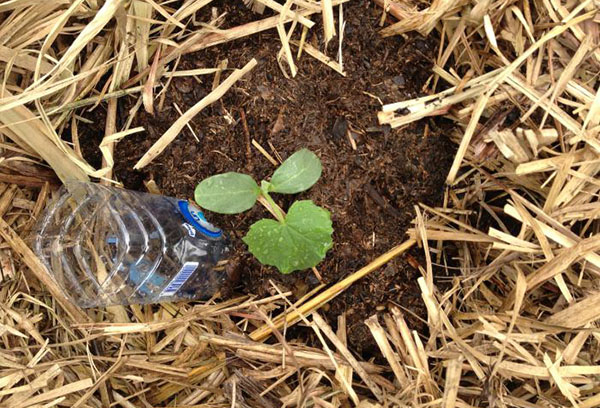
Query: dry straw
{"points": [[511, 258]]}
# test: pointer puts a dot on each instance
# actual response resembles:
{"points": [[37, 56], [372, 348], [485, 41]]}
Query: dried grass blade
{"points": [[176, 127], [318, 320], [264, 331], [328, 23]]}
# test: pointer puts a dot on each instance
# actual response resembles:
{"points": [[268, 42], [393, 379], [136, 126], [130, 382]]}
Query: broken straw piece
{"points": [[176, 127]]}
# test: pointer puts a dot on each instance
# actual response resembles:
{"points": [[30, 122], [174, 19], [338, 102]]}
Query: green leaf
{"points": [[298, 173], [228, 193], [300, 242]]}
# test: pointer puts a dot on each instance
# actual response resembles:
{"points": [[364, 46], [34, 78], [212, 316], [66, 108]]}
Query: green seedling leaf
{"points": [[300, 242], [298, 173], [228, 193]]}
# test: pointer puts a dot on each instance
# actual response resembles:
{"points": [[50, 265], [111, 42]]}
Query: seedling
{"points": [[296, 241]]}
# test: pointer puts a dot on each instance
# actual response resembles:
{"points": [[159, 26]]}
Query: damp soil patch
{"points": [[373, 176]]}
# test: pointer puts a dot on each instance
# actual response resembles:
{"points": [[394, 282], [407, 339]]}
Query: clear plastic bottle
{"points": [[109, 246]]}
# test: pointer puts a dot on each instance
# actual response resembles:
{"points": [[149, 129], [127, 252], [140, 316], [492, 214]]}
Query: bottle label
{"points": [[182, 276], [194, 216]]}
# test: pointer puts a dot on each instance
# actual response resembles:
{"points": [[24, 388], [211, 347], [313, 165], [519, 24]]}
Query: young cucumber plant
{"points": [[296, 241]]}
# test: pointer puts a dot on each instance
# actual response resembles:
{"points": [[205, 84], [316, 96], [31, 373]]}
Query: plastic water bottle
{"points": [[109, 246]]}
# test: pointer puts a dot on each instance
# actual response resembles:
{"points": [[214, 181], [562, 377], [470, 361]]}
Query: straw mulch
{"points": [[515, 236]]}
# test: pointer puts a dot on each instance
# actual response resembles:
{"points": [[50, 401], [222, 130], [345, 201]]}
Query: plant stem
{"points": [[265, 199]]}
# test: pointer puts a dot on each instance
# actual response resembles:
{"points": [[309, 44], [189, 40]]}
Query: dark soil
{"points": [[370, 191]]}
